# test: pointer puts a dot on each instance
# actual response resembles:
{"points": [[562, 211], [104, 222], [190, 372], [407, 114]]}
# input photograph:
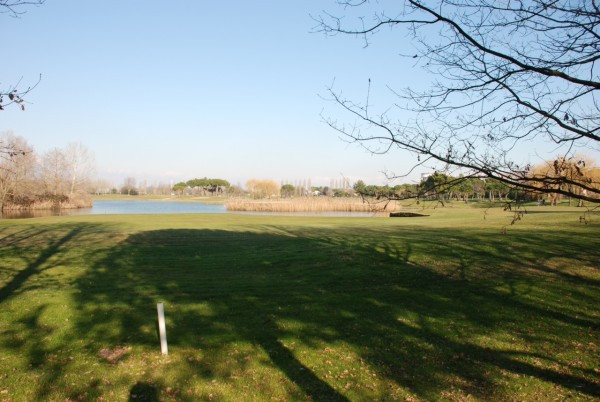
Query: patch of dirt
{"points": [[113, 355]]}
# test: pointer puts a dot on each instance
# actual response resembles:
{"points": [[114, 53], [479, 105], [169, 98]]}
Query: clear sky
{"points": [[182, 89]]}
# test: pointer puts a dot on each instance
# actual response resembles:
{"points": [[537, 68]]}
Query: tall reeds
{"points": [[73, 202], [311, 204]]}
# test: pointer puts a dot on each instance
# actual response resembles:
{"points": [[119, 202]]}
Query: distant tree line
{"points": [[203, 187], [130, 186], [290, 191], [441, 186]]}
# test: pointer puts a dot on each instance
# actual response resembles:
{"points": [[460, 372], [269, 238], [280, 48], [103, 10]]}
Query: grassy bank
{"points": [[439, 307], [310, 204]]}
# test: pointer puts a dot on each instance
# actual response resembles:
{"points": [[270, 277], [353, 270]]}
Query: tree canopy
{"points": [[206, 184], [287, 190]]}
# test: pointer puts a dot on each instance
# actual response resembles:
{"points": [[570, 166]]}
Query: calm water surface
{"points": [[126, 207], [162, 207]]}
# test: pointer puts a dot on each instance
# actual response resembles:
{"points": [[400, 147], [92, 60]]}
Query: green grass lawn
{"points": [[266, 307]]}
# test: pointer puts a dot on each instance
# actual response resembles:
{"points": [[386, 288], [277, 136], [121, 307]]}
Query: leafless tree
{"points": [[16, 166], [100, 186], [507, 74], [129, 186], [55, 172], [262, 188], [58, 175], [81, 165]]}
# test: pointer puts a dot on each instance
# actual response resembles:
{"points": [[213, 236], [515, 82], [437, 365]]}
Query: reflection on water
{"points": [[124, 207], [155, 207], [37, 213], [164, 207]]}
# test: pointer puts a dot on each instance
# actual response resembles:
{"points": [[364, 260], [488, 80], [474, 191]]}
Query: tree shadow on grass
{"points": [[143, 392], [411, 323], [27, 257], [35, 266]]}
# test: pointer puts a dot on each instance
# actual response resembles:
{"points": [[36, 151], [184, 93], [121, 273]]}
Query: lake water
{"points": [[126, 207], [160, 207]]}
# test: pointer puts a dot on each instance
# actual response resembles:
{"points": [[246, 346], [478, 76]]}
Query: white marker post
{"points": [[162, 329]]}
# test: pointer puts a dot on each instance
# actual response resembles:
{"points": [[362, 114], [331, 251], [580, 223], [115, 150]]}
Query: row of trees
{"points": [[439, 186], [561, 170], [270, 189], [57, 175], [131, 186], [442, 186]]}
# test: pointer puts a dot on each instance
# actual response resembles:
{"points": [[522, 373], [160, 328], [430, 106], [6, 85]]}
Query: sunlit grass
{"points": [[257, 307]]}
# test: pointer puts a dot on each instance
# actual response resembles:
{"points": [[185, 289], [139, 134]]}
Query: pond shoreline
{"points": [[162, 198], [149, 207]]}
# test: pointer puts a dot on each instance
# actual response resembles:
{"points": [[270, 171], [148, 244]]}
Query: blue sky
{"points": [[183, 89]]}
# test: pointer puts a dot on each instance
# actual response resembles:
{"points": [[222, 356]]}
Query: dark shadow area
{"points": [[413, 323], [143, 392], [405, 215]]}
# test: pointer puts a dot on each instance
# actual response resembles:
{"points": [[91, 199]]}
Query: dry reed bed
{"points": [[310, 204], [71, 203]]}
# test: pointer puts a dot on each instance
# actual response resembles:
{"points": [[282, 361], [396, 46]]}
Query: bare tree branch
{"points": [[15, 7], [506, 74]]}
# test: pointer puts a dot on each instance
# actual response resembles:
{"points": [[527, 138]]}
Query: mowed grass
{"points": [[280, 308]]}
